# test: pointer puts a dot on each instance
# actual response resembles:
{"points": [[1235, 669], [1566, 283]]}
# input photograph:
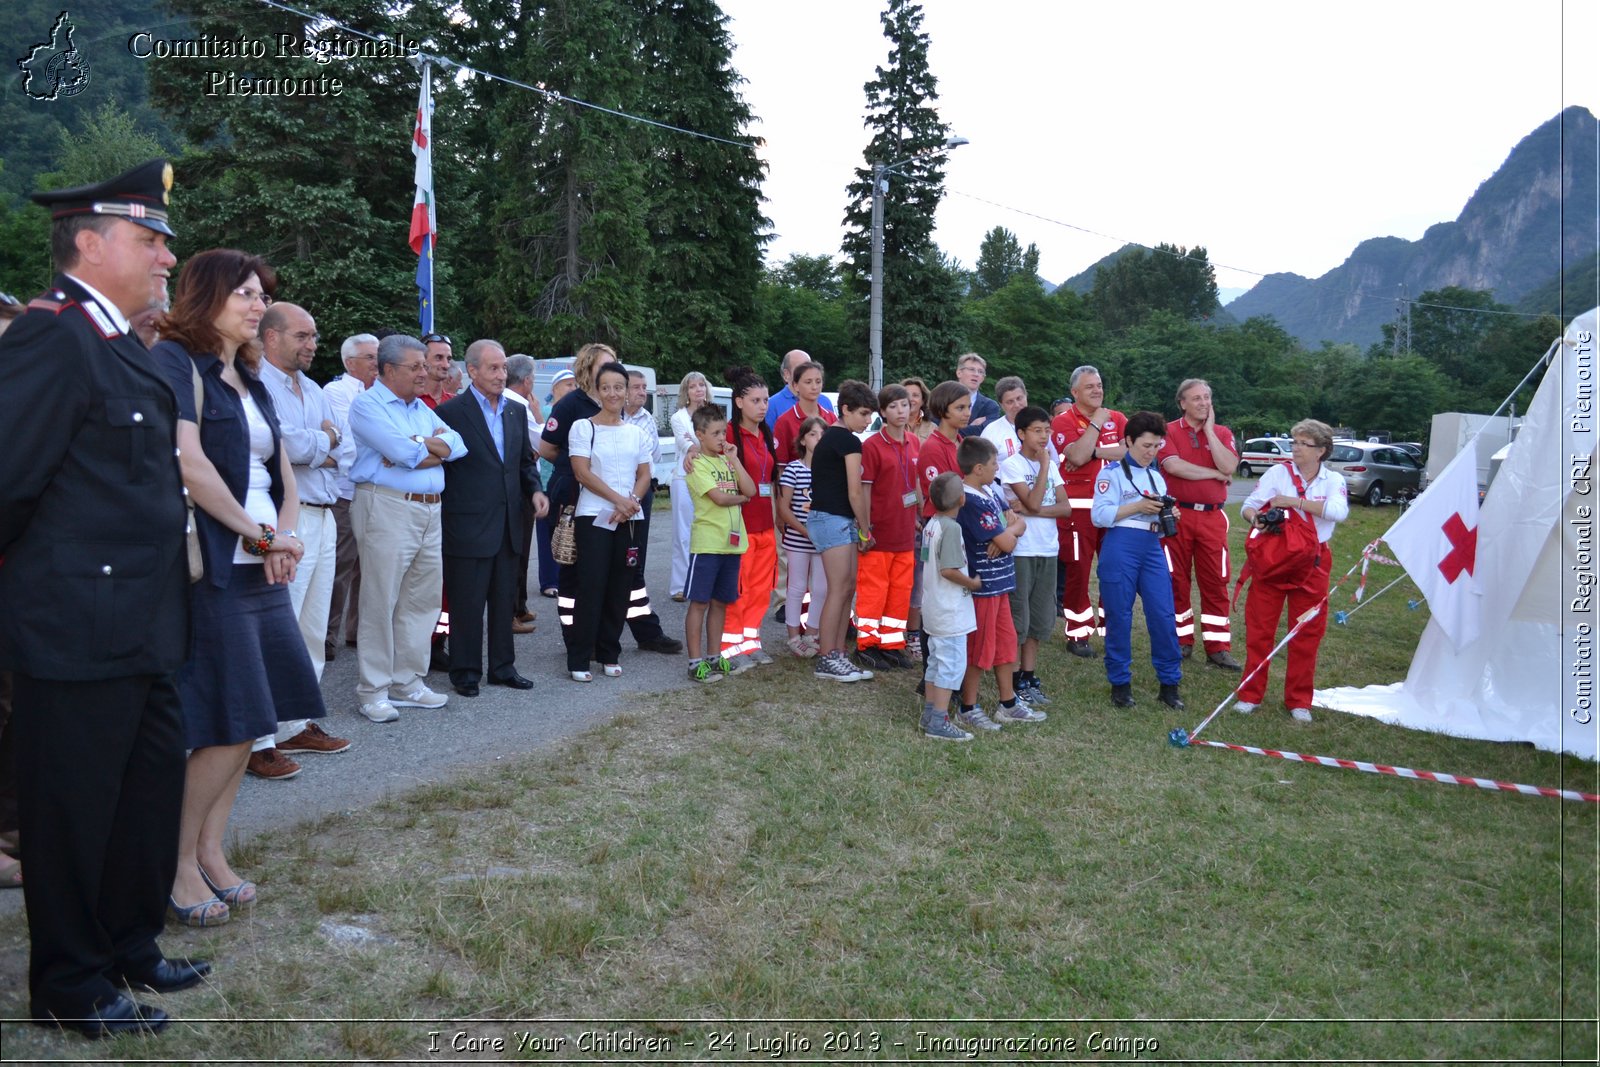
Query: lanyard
{"points": [[1127, 470]]}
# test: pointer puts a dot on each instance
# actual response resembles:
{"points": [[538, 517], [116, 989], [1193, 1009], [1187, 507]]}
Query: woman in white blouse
{"points": [[693, 391], [1312, 491], [611, 461]]}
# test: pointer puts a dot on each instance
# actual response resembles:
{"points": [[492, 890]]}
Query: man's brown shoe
{"points": [[314, 739], [272, 764], [520, 627]]}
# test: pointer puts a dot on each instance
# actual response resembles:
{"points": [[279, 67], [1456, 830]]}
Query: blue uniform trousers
{"points": [[1131, 562]]}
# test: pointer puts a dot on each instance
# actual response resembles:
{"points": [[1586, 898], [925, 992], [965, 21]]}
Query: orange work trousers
{"points": [[758, 575], [883, 598]]}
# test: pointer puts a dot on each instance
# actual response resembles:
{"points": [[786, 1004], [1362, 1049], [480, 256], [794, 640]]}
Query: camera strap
{"points": [[1127, 469]]}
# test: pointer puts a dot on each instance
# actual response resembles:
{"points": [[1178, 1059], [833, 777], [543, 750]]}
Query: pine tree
{"points": [[566, 249], [1001, 258], [320, 185], [920, 305], [704, 216]]}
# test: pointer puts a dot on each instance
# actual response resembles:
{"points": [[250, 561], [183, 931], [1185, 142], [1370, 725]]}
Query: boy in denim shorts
{"points": [[947, 612], [719, 486]]}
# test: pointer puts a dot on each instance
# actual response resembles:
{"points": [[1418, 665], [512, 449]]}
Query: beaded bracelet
{"points": [[259, 546]]}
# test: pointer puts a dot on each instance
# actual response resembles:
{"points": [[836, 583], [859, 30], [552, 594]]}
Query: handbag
{"points": [[1283, 558], [197, 564], [564, 538]]}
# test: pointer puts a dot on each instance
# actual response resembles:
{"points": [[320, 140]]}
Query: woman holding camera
{"points": [[1132, 506], [1318, 492]]}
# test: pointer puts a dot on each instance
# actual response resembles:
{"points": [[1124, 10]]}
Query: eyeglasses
{"points": [[433, 338], [252, 295]]}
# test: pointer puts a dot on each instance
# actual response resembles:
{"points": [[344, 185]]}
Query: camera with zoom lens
{"points": [[1272, 519], [1167, 518]]}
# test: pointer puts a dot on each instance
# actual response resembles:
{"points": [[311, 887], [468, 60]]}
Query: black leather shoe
{"points": [[1122, 696], [467, 689], [512, 681], [168, 976], [1169, 696], [668, 646], [1224, 660], [1080, 649], [118, 1016]]}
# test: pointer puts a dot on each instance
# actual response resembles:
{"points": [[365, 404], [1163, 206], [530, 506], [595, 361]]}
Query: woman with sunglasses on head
{"points": [[248, 667]]}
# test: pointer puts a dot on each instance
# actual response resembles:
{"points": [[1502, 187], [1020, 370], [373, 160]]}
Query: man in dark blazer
{"points": [[94, 615], [482, 519], [971, 370]]}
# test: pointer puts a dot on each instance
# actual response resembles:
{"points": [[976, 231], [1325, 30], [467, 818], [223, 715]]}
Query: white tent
{"points": [[1530, 674]]}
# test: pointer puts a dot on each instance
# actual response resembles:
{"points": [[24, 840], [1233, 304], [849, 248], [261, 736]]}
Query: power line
{"points": [[552, 95]]}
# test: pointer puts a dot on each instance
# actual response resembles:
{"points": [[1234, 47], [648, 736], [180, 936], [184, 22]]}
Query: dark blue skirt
{"points": [[248, 668]]}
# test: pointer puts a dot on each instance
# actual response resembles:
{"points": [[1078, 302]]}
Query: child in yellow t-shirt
{"points": [[719, 486]]}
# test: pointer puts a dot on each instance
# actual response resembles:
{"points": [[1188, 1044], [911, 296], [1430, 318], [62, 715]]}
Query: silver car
{"points": [[1376, 472]]}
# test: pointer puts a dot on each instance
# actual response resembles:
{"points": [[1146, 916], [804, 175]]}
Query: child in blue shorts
{"points": [[947, 611], [718, 486]]}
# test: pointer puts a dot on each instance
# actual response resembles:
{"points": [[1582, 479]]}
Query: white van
{"points": [[666, 402]]}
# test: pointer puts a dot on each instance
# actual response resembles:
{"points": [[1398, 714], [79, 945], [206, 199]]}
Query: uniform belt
{"points": [[1199, 507], [1136, 524], [415, 498], [309, 504]]}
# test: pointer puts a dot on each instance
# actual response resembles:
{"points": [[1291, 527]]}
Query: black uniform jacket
{"points": [[483, 494], [93, 583]]}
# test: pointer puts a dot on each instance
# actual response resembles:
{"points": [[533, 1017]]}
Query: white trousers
{"points": [[402, 575]]}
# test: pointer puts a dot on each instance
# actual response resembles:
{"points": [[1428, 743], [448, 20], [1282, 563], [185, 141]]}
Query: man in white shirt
{"points": [[519, 389], [360, 355], [318, 453]]}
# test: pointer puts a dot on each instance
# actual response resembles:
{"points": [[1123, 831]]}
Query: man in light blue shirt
{"points": [[398, 474], [784, 398]]}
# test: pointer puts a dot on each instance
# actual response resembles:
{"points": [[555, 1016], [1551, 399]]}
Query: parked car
{"points": [[1373, 472], [1418, 452], [1259, 453]]}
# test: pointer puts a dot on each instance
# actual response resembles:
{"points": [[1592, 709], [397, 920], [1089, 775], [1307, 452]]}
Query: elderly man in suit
{"points": [[483, 495], [94, 610]]}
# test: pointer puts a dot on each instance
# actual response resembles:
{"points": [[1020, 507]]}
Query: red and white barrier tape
{"points": [[1406, 772]]}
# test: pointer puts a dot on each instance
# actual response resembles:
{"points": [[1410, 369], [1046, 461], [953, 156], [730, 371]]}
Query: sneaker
{"points": [[940, 728], [1224, 660], [419, 697], [271, 764], [801, 647], [1020, 713], [701, 670], [976, 719], [1244, 707], [759, 656], [314, 739], [1080, 649], [1033, 693], [838, 668], [914, 646], [380, 711], [736, 665], [1300, 714], [863, 674]]}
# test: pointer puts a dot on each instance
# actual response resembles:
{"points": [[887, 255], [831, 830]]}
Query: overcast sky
{"points": [[1276, 134]]}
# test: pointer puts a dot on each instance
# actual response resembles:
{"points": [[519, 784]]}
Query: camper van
{"points": [[666, 402]]}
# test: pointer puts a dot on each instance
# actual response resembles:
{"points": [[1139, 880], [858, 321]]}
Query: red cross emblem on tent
{"points": [[1463, 548]]}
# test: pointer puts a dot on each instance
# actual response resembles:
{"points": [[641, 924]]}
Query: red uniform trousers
{"points": [[883, 598], [758, 574], [1263, 607], [1201, 541], [1080, 539]]}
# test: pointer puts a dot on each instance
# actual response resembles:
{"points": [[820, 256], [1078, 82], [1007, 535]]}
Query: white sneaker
{"points": [[759, 656], [1300, 714], [1021, 713], [380, 711], [1244, 707], [419, 697]]}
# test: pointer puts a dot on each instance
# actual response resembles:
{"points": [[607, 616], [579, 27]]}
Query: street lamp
{"points": [[880, 186]]}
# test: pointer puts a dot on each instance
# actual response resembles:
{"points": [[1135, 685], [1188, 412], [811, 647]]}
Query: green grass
{"points": [[775, 849]]}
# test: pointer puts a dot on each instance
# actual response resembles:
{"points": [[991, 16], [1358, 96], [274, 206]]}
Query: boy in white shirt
{"points": [[1033, 483], [947, 610]]}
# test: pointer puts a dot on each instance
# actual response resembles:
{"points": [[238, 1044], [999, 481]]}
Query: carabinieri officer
{"points": [[1128, 501], [94, 610]]}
